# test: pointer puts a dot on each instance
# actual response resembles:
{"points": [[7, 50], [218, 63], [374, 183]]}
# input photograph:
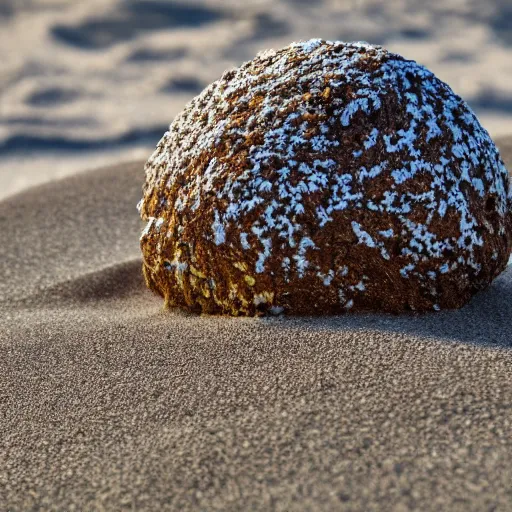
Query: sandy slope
{"points": [[109, 403], [94, 82]]}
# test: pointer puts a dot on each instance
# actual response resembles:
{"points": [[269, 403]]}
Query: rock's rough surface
{"points": [[321, 178]]}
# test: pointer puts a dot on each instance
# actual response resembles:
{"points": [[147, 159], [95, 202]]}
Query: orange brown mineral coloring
{"points": [[321, 178]]}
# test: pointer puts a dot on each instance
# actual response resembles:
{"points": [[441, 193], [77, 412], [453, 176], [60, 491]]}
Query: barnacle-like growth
{"points": [[323, 177]]}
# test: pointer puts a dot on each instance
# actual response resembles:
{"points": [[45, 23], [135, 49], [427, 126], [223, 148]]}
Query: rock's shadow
{"points": [[484, 321]]}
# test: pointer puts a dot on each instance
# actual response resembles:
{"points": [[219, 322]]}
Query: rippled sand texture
{"points": [[109, 403], [89, 82]]}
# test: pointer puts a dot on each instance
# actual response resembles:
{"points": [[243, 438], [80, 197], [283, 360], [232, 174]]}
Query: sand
{"points": [[85, 83], [109, 403]]}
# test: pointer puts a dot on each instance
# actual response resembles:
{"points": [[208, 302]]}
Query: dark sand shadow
{"points": [[144, 54], [100, 208], [117, 282], [501, 20], [52, 96], [492, 100], [496, 14], [266, 25], [132, 18], [42, 120], [183, 84], [61, 143], [12, 8], [484, 321]]}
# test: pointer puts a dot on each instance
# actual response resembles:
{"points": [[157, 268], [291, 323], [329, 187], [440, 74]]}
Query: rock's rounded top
{"points": [[321, 177]]}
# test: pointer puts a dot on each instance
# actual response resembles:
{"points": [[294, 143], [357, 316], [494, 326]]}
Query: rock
{"points": [[321, 178]]}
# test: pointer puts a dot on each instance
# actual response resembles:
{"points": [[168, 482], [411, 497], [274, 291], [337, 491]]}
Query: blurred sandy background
{"points": [[90, 82]]}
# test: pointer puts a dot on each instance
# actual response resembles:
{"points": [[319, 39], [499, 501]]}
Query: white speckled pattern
{"points": [[279, 88]]}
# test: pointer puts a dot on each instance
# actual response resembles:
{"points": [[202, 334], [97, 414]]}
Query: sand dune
{"points": [[109, 403]]}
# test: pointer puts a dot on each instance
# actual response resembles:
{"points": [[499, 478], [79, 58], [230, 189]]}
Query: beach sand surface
{"points": [[107, 402]]}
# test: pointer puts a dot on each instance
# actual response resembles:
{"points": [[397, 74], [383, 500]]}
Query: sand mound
{"points": [[111, 403]]}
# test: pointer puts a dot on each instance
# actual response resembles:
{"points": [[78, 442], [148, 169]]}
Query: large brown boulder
{"points": [[321, 178]]}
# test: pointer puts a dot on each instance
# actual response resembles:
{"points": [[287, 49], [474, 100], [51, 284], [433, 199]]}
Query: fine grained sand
{"points": [[109, 403]]}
